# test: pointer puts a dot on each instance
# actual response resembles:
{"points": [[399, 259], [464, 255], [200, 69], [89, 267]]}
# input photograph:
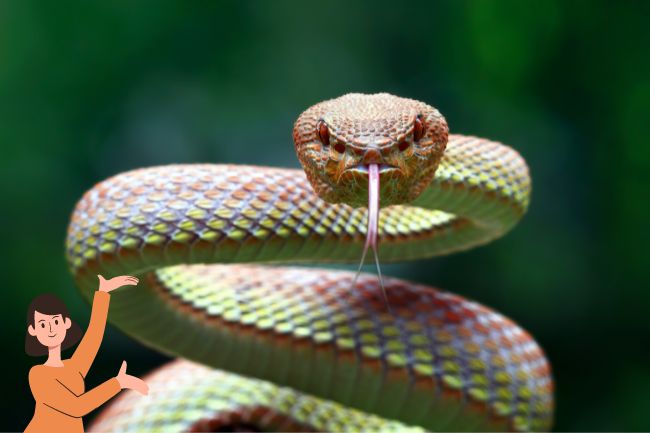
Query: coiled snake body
{"points": [[324, 350]]}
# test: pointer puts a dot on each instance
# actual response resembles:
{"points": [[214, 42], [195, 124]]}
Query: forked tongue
{"points": [[371, 232]]}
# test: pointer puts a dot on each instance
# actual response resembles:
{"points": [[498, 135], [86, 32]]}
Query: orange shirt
{"points": [[59, 391]]}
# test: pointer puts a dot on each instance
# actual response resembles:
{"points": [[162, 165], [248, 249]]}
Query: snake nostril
{"points": [[403, 145], [339, 147]]}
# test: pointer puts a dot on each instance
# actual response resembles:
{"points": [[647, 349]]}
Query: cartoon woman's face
{"points": [[50, 330]]}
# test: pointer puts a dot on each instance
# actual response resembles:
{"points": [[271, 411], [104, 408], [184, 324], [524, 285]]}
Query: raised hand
{"points": [[114, 283], [131, 382]]}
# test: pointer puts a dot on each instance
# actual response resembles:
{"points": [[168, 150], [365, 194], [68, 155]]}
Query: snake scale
{"points": [[272, 344]]}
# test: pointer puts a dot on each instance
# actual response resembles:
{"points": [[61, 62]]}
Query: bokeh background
{"points": [[90, 89]]}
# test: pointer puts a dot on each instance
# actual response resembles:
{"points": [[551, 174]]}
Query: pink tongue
{"points": [[371, 232], [373, 207]]}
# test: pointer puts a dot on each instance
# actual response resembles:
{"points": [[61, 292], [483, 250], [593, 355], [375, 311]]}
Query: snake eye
{"points": [[323, 133], [418, 128], [403, 145]]}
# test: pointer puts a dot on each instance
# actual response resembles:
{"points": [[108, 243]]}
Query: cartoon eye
{"points": [[56, 321], [418, 128], [323, 133], [42, 325]]}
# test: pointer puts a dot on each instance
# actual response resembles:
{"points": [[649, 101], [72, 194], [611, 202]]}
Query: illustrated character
{"points": [[58, 384]]}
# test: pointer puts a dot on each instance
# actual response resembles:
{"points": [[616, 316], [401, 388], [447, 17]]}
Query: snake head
{"points": [[337, 140]]}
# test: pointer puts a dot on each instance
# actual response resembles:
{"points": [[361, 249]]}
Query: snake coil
{"points": [[294, 348]]}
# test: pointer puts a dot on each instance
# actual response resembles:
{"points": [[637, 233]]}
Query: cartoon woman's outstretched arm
{"points": [[85, 353], [51, 392]]}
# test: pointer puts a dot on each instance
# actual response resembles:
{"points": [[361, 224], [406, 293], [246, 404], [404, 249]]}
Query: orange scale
{"points": [[479, 327], [491, 345], [406, 312], [516, 358], [321, 290], [521, 338], [284, 195], [434, 321], [452, 317], [137, 190], [421, 307], [119, 194], [110, 205], [537, 351], [525, 334], [543, 370], [273, 187], [212, 194], [258, 204], [454, 299], [480, 309], [525, 358], [549, 387], [439, 302], [465, 332], [468, 313], [232, 203], [505, 342], [472, 348], [131, 200], [252, 186], [241, 194]]}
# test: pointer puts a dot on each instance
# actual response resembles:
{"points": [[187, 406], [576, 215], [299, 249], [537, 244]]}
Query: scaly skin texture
{"points": [[437, 362], [370, 128]]}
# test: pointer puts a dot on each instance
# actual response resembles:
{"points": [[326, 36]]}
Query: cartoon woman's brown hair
{"points": [[49, 304], [58, 384]]}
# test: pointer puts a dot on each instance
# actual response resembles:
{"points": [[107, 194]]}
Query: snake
{"points": [[226, 257]]}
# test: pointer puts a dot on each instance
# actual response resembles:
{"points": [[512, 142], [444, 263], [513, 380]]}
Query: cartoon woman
{"points": [[58, 385]]}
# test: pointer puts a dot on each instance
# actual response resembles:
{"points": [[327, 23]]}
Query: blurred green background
{"points": [[90, 89]]}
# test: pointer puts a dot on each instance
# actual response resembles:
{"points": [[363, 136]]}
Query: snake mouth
{"points": [[363, 168]]}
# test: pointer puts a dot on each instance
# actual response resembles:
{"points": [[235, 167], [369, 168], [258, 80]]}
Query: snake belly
{"points": [[298, 348]]}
